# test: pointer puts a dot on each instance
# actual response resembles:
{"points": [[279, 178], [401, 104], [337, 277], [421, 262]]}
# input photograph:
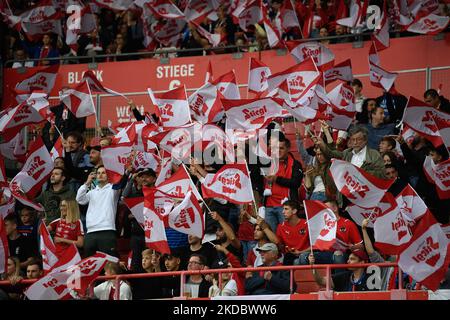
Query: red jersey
{"points": [[70, 231], [294, 236], [347, 232], [246, 231]]}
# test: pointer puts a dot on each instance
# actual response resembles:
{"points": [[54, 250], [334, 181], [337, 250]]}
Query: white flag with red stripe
{"points": [[380, 36], [80, 21], [251, 114], [198, 10], [360, 187], [288, 16], [439, 175], [379, 77], [442, 122], [172, 107], [430, 24], [419, 116], [165, 9], [136, 206], [4, 248], [427, 256], [96, 86], [231, 182], [205, 104], [144, 160], [342, 109], [341, 71], [209, 73], [43, 79], [251, 14], [391, 230], [226, 84], [358, 214], [273, 34], [57, 150], [14, 149], [411, 205], [214, 39], [155, 234], [9, 202], [115, 158], [126, 136], [322, 224], [187, 217], [257, 76], [322, 56], [71, 276], [79, 100], [47, 248], [35, 171], [178, 185]]}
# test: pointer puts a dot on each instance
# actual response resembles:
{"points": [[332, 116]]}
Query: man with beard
{"points": [[56, 192]]}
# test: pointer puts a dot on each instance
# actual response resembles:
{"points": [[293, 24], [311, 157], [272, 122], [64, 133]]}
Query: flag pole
{"points": [[251, 187], [307, 223], [192, 182]]}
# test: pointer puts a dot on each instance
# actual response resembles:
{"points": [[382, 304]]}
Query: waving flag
{"points": [[438, 174], [209, 73], [79, 100], [136, 206], [47, 248], [178, 185], [187, 217], [43, 79], [205, 104], [380, 36], [392, 231], [119, 5], [322, 56], [379, 77], [429, 24], [214, 39], [360, 187], [342, 108], [155, 234], [322, 224], [57, 150], [35, 171], [4, 248], [44, 20], [197, 10], [411, 205], [96, 86], [226, 84], [231, 182], [358, 214], [442, 122], [14, 149], [73, 275], [289, 16], [273, 34], [145, 160], [251, 14], [115, 158], [126, 136], [165, 9], [341, 71], [355, 15], [427, 257], [172, 107], [419, 116], [251, 114], [257, 76], [79, 22]]}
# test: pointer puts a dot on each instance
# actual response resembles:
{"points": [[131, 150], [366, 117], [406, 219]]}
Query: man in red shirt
{"points": [[293, 233], [348, 238]]}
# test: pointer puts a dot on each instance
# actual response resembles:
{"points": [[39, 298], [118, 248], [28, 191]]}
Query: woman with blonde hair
{"points": [[12, 274], [68, 229]]}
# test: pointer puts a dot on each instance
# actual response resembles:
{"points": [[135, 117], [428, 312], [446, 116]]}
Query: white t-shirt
{"points": [[359, 158]]}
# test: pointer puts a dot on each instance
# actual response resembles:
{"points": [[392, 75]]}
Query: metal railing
{"points": [[328, 267]]}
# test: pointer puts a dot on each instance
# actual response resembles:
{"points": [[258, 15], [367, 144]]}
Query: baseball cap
{"points": [[95, 144], [268, 247], [361, 254], [173, 254], [147, 171]]}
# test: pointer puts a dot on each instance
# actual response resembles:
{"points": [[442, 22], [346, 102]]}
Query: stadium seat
{"points": [[305, 281]]}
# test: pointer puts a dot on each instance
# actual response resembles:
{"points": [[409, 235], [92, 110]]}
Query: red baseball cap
{"points": [[361, 254]]}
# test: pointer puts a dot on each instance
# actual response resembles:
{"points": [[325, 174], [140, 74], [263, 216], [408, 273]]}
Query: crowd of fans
{"points": [[83, 208], [120, 32]]}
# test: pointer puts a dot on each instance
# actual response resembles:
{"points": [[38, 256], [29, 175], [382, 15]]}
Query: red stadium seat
{"points": [[305, 280]]}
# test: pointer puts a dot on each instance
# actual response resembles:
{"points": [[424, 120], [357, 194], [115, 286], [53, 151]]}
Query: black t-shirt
{"points": [[207, 250], [22, 248], [344, 282]]}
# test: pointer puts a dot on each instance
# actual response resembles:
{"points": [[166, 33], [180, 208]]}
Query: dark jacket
{"points": [[51, 199], [395, 105], [278, 284]]}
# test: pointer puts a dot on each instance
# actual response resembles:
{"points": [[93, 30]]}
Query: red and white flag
{"points": [[341, 71], [446, 229], [360, 187], [43, 79], [430, 24], [273, 34], [301, 77], [209, 73], [308, 20], [197, 10], [342, 108], [52, 24], [419, 116], [288, 16], [358, 214], [9, 202], [257, 76], [355, 15], [411, 205], [155, 234], [165, 9], [144, 160], [391, 231], [251, 14], [178, 185], [14, 149], [251, 114], [47, 248], [96, 86], [205, 104], [172, 107], [57, 150], [187, 217], [442, 121], [119, 5], [79, 100], [4, 248], [70, 277], [126, 136], [439, 175], [427, 257], [115, 158], [380, 36], [226, 84], [322, 224], [379, 77], [322, 56], [35, 171], [80, 21], [136, 206], [214, 39], [231, 182]]}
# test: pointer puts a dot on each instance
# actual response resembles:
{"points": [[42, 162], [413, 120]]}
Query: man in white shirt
{"points": [[101, 213]]}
